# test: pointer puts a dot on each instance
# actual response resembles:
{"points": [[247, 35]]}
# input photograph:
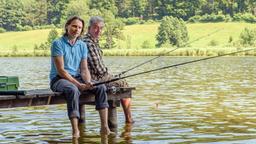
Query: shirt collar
{"points": [[91, 38], [66, 40]]}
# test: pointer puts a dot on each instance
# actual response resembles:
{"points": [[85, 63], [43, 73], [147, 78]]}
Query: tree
{"points": [[53, 34], [172, 31], [76, 7], [150, 7], [248, 37], [123, 8], [12, 14], [113, 29], [138, 7], [104, 5], [55, 10], [35, 12]]}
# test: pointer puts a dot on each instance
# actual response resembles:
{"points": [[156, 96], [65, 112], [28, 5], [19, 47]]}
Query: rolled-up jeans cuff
{"points": [[73, 114], [102, 106]]}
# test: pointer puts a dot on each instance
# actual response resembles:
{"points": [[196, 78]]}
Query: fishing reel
{"points": [[113, 89]]}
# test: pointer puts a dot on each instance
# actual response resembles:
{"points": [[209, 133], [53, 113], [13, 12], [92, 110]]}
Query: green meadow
{"points": [[23, 43]]}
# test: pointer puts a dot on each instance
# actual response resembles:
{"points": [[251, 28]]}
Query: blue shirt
{"points": [[72, 55]]}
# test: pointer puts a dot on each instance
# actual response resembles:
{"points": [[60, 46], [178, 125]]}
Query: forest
{"points": [[19, 15]]}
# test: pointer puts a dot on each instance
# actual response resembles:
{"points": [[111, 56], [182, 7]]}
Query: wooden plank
{"points": [[41, 97], [7, 97]]}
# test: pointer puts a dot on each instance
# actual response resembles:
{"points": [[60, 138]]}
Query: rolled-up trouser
{"points": [[72, 94]]}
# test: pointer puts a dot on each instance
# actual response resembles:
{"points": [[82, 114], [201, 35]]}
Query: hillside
{"points": [[135, 35]]}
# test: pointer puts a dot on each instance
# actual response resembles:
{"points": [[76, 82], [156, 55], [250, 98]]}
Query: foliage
{"points": [[172, 31], [131, 20], [12, 13], [76, 8], [248, 37], [209, 18], [145, 44], [213, 43], [53, 34], [112, 30], [2, 30], [247, 17], [16, 14], [55, 10], [103, 5]]}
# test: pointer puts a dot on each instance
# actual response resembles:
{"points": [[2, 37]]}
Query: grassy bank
{"points": [[186, 51], [23, 43]]}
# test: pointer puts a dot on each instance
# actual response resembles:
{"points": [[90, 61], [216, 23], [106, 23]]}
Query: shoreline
{"points": [[183, 51]]}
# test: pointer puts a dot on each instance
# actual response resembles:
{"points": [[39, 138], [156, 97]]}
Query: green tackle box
{"points": [[8, 86], [10, 80]]}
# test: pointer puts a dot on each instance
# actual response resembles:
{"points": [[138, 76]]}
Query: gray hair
{"points": [[95, 19]]}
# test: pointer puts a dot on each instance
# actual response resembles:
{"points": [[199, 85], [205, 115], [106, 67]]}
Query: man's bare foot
{"points": [[129, 121], [106, 131]]}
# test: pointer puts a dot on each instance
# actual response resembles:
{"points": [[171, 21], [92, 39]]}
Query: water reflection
{"points": [[207, 102]]}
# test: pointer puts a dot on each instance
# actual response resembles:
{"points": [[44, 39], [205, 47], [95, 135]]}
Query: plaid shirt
{"points": [[95, 62]]}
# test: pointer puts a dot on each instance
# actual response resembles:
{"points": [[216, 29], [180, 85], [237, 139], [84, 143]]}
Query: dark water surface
{"points": [[212, 101]]}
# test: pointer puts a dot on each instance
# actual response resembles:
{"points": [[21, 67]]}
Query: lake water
{"points": [[212, 101]]}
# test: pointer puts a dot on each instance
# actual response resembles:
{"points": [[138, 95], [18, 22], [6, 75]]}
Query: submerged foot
{"points": [[76, 134], [106, 131], [129, 121]]}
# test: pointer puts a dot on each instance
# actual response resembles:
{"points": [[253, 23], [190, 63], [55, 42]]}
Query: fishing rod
{"points": [[170, 66], [123, 72]]}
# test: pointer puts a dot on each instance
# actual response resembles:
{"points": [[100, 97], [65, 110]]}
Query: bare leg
{"points": [[104, 121], [75, 129], [126, 104]]}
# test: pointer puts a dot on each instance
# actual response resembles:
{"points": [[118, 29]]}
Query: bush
{"points": [[145, 44], [213, 43], [210, 18], [194, 19], [248, 37], [131, 20], [172, 31], [230, 39], [150, 21], [247, 17], [213, 18], [2, 30], [53, 34], [23, 28], [27, 28]]}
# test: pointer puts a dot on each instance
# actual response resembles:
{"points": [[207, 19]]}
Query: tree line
{"points": [[16, 14]]}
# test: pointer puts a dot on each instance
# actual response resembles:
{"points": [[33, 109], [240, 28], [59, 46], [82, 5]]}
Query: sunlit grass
{"points": [[135, 35]]}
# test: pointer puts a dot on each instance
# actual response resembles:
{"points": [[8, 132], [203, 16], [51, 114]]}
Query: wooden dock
{"points": [[40, 97]]}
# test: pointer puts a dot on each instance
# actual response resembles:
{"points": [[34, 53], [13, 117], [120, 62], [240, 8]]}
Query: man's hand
{"points": [[86, 86]]}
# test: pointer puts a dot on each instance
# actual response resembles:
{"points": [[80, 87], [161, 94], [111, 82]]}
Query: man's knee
{"points": [[102, 87], [72, 90]]}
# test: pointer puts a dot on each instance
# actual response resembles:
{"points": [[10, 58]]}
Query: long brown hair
{"points": [[70, 20]]}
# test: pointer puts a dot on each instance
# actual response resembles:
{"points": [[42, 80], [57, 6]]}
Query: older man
{"points": [[96, 65]]}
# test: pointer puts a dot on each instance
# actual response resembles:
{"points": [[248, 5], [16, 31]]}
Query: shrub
{"points": [[248, 37], [2, 30], [194, 19], [172, 31], [213, 43], [53, 34], [27, 28], [230, 39], [247, 17], [131, 20], [145, 44]]}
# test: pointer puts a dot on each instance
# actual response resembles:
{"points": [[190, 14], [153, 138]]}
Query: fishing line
{"points": [[123, 72], [170, 66]]}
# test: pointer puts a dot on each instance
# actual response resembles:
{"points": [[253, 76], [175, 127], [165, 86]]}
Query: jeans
{"points": [[72, 94]]}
